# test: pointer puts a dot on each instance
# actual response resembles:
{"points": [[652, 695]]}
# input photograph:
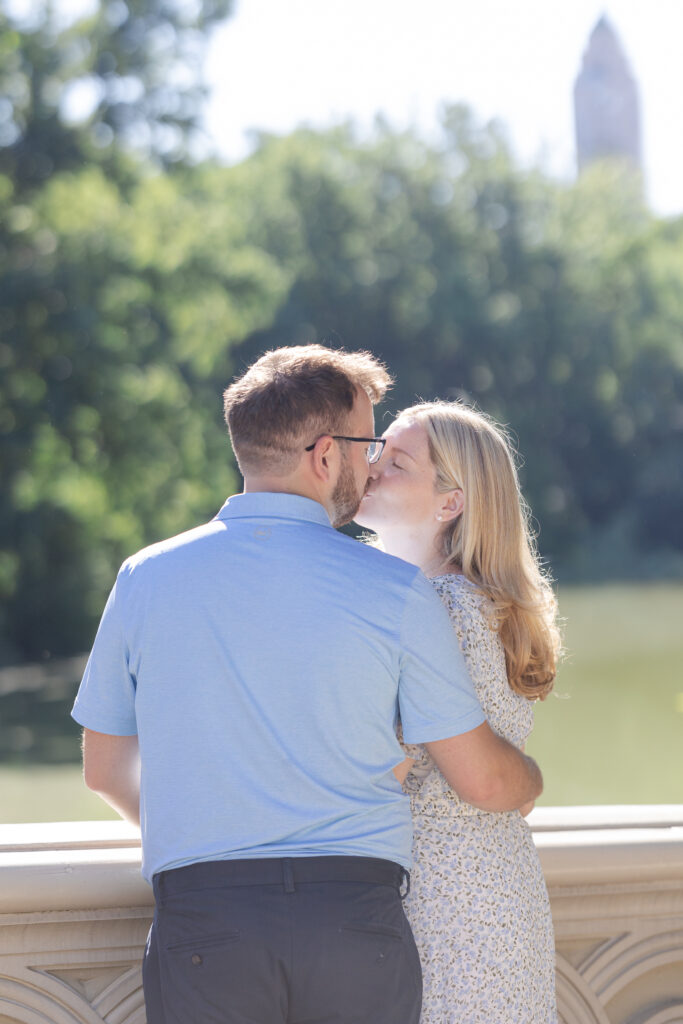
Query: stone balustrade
{"points": [[74, 914]]}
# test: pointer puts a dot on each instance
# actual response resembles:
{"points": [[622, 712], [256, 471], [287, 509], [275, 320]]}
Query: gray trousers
{"points": [[310, 940]]}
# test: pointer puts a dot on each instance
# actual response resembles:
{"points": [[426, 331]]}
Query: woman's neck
{"points": [[416, 546]]}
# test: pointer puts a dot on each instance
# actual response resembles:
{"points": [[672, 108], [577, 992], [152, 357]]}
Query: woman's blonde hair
{"points": [[491, 542]]}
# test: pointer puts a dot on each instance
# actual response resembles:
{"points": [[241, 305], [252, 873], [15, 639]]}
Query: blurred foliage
{"points": [[37, 727], [134, 283], [117, 318], [77, 91], [121, 290], [556, 308]]}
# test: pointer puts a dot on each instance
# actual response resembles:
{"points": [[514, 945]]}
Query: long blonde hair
{"points": [[491, 542]]}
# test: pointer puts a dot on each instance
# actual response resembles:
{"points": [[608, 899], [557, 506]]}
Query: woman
{"points": [[445, 496]]}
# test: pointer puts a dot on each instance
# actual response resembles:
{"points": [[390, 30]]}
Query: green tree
{"points": [[117, 303], [127, 76], [119, 314], [473, 279], [127, 301]]}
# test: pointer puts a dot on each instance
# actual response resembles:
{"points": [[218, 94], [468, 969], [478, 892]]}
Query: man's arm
{"points": [[111, 768], [487, 771]]}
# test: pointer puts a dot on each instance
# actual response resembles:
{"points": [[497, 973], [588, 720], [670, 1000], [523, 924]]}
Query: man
{"points": [[254, 666]]}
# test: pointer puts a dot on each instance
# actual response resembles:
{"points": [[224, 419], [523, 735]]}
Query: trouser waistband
{"points": [[289, 872]]}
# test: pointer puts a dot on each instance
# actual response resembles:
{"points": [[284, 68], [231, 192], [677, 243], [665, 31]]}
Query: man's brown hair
{"points": [[291, 396]]}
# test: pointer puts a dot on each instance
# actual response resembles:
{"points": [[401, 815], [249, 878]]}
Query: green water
{"points": [[612, 733]]}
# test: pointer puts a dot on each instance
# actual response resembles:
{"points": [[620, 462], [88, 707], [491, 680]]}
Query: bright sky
{"points": [[278, 63]]}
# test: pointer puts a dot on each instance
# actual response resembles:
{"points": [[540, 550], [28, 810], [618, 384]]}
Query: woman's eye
{"points": [[395, 463]]}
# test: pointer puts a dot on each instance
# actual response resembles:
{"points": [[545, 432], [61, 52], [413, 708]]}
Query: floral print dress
{"points": [[478, 903]]}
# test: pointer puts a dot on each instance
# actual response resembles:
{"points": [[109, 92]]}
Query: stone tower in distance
{"points": [[606, 104]]}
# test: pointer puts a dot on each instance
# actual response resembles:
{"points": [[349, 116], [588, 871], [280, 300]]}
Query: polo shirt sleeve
{"points": [[106, 697], [436, 695]]}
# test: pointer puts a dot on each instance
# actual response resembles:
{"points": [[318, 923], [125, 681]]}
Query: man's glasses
{"points": [[373, 451]]}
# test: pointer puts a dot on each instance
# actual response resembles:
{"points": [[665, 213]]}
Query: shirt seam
{"points": [[398, 636]]}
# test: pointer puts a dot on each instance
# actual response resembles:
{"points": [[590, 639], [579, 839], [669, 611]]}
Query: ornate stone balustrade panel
{"points": [[74, 915]]}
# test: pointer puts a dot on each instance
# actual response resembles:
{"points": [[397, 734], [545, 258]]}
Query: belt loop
{"points": [[287, 874], [406, 879]]}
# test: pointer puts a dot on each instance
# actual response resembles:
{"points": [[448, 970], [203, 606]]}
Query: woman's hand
{"points": [[402, 769], [526, 808]]}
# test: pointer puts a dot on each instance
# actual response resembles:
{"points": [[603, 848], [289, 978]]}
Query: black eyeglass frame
{"points": [[381, 441]]}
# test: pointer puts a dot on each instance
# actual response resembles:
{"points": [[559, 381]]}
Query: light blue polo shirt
{"points": [[262, 659]]}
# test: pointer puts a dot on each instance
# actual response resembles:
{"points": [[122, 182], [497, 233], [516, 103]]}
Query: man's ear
{"points": [[453, 502], [323, 457]]}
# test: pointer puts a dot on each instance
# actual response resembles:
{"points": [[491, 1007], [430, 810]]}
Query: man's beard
{"points": [[345, 498]]}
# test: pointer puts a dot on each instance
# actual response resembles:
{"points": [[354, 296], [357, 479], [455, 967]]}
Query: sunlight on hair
{"points": [[492, 542]]}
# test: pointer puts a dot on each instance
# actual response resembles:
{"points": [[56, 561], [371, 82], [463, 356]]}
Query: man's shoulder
{"points": [[376, 562], [164, 552]]}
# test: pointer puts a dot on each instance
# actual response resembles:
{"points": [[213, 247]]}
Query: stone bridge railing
{"points": [[74, 914]]}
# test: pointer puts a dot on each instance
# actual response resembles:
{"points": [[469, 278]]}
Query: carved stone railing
{"points": [[74, 915], [615, 878]]}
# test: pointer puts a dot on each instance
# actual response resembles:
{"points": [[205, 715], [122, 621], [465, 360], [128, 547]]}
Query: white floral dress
{"points": [[478, 904]]}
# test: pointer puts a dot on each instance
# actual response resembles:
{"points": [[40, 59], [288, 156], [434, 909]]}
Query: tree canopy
{"points": [[135, 282], [127, 76]]}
